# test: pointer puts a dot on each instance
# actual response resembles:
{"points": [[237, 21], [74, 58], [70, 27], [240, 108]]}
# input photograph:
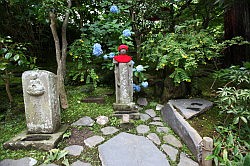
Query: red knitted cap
{"points": [[123, 46]]}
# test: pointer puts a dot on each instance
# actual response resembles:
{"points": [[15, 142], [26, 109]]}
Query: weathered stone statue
{"points": [[124, 84]]}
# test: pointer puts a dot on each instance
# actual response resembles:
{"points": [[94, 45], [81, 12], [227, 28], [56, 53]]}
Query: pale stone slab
{"points": [[185, 161], [80, 163], [41, 101], [150, 112], [84, 121], [162, 129], [131, 150], [142, 101], [142, 129], [172, 140], [158, 107], [191, 107], [156, 123], [102, 120], [170, 151], [52, 164], [144, 117], [74, 150], [109, 130], [93, 141], [154, 137], [157, 119], [26, 161]]}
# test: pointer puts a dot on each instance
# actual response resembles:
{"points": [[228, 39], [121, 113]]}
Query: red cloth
{"points": [[123, 46], [123, 58]]}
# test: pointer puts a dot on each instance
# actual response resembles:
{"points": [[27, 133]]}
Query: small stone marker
{"points": [[142, 129], [156, 123], [98, 100], [23, 161], [109, 130], [84, 121], [162, 129], [102, 120], [80, 163], [93, 141], [131, 150], [185, 161], [172, 140], [150, 112], [207, 150], [142, 101], [125, 118], [144, 117], [170, 151], [41, 100], [74, 150], [154, 137]]}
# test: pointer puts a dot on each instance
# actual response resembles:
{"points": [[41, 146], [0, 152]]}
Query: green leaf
{"points": [[225, 155], [236, 120], [65, 162], [16, 57], [243, 119], [61, 154], [209, 157], [8, 55]]}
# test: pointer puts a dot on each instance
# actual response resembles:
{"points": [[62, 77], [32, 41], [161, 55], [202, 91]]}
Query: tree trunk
{"points": [[237, 23], [61, 55], [7, 87]]}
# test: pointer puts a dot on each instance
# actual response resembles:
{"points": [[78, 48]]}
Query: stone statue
{"points": [[124, 84]]}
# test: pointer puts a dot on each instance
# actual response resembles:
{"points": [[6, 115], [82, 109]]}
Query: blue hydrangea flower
{"points": [[144, 84], [111, 55], [136, 88], [97, 49], [105, 57], [127, 33], [114, 9], [139, 68]]}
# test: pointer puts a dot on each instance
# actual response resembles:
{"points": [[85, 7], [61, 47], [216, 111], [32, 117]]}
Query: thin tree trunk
{"points": [[7, 87]]}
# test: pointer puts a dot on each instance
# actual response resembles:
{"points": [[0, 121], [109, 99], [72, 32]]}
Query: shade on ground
{"points": [[131, 150]]}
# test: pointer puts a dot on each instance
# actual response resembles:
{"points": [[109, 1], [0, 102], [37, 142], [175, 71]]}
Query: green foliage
{"points": [[56, 155]]}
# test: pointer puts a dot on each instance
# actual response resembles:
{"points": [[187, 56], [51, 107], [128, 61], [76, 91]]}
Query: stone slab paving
{"points": [[102, 120], [80, 163], [74, 150], [52, 164], [158, 107], [93, 141], [150, 112], [26, 161], [109, 130], [172, 140], [144, 117], [154, 138], [156, 123], [131, 150], [170, 151], [185, 161], [156, 119], [84, 121], [142, 129], [162, 129]]}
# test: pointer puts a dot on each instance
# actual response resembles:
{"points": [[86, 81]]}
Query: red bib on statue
{"points": [[123, 58]]}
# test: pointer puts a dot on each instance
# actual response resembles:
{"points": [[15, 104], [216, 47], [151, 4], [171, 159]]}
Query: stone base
{"points": [[132, 115], [25, 140], [123, 109]]}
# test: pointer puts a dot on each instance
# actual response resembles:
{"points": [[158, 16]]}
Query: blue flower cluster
{"points": [[136, 88], [114, 9], [111, 56], [127, 33], [144, 84], [97, 49], [139, 68]]}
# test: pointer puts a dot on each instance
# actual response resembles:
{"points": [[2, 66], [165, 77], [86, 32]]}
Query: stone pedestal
{"points": [[42, 108], [124, 90]]}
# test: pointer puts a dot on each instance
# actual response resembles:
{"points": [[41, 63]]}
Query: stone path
{"points": [[149, 144]]}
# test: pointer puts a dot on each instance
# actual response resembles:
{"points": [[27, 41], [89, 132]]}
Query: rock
{"points": [[26, 161], [93, 141], [142, 101], [170, 151], [158, 107], [74, 150], [162, 129], [172, 140], [80, 163], [142, 129], [154, 137], [157, 118], [84, 121], [131, 150], [156, 123], [185, 161], [144, 117], [150, 112], [109, 130], [102, 120], [52, 164]]}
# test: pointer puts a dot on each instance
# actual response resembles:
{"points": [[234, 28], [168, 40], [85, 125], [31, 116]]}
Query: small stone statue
{"points": [[123, 57]]}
